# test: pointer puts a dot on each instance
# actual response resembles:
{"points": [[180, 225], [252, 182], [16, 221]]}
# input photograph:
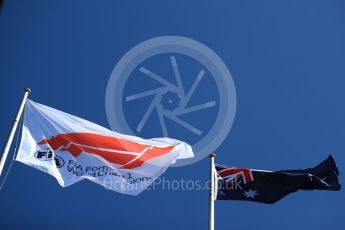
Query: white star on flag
{"points": [[250, 193]]}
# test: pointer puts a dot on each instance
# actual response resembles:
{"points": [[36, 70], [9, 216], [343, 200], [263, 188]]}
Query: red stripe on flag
{"points": [[76, 143], [94, 140], [113, 157]]}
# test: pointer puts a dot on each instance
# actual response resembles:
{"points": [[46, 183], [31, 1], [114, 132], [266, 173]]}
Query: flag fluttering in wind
{"points": [[270, 186], [72, 149]]}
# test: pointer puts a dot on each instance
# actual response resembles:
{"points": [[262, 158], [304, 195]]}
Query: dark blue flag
{"points": [[270, 186]]}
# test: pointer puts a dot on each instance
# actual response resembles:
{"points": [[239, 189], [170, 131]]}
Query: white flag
{"points": [[72, 149]]}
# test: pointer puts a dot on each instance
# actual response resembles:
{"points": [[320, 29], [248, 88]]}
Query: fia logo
{"points": [[47, 154]]}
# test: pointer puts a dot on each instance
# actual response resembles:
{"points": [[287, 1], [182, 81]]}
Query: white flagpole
{"points": [[212, 193], [13, 130]]}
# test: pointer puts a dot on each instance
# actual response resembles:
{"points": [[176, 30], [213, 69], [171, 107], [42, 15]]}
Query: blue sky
{"points": [[287, 63]]}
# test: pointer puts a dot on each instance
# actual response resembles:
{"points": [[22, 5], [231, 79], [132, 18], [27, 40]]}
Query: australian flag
{"points": [[270, 186]]}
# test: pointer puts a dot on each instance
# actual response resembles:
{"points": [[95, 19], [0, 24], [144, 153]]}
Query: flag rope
{"points": [[15, 150]]}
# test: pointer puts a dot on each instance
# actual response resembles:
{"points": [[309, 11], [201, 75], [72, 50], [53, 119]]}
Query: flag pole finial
{"points": [[27, 90]]}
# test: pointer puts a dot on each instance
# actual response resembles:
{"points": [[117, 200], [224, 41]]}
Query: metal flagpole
{"points": [[212, 194], [13, 130]]}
